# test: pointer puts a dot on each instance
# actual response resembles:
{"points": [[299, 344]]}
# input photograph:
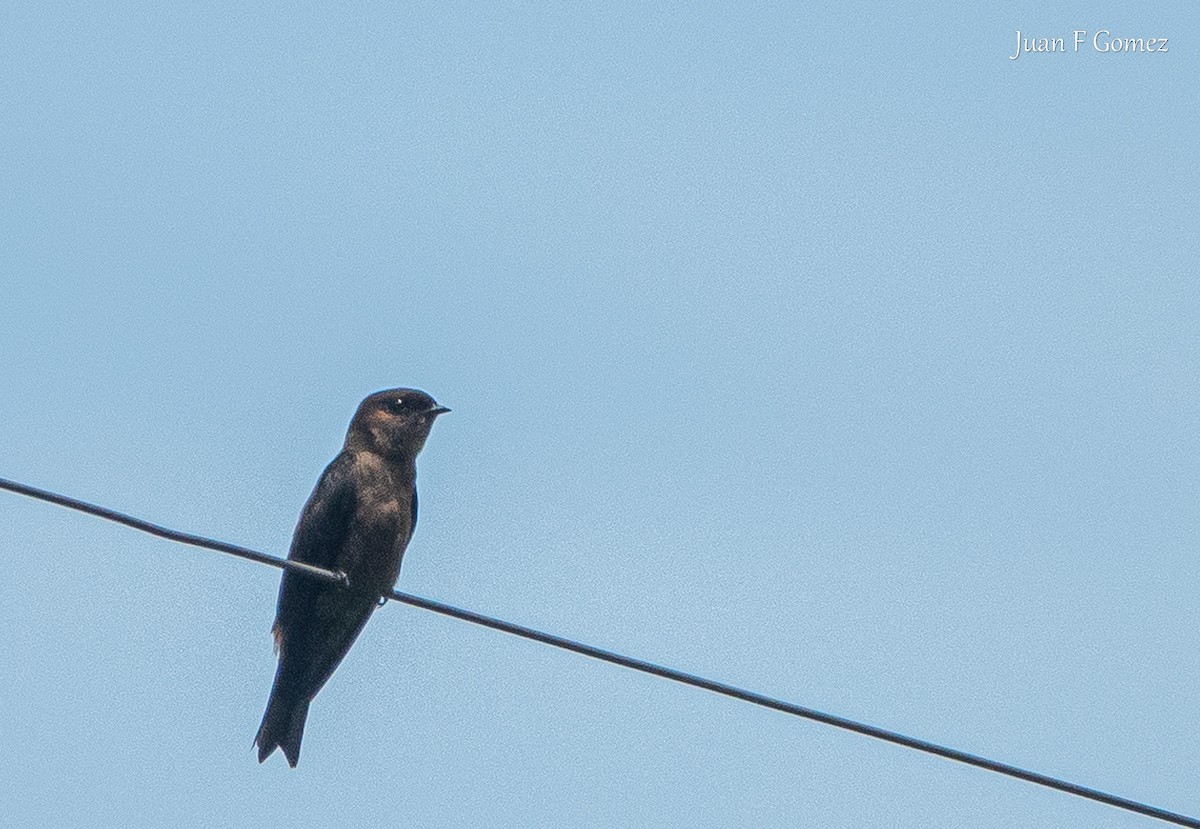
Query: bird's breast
{"points": [[378, 537]]}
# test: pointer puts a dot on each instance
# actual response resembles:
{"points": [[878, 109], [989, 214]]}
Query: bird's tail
{"points": [[282, 727]]}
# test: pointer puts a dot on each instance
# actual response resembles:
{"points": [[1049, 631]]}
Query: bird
{"points": [[358, 520]]}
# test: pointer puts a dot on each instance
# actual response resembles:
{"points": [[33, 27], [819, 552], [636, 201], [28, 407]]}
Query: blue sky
{"points": [[825, 351]]}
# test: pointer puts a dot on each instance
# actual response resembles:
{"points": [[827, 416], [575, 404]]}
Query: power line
{"points": [[340, 579]]}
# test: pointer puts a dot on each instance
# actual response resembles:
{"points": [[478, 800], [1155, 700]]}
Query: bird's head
{"points": [[394, 423]]}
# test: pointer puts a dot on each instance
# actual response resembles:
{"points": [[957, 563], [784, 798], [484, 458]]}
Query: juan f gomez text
{"points": [[1100, 41]]}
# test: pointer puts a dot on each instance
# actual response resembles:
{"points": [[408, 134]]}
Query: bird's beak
{"points": [[438, 410]]}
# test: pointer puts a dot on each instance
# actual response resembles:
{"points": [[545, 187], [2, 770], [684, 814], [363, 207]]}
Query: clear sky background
{"points": [[825, 351]]}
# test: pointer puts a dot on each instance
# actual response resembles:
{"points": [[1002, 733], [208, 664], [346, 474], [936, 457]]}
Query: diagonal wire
{"points": [[340, 579]]}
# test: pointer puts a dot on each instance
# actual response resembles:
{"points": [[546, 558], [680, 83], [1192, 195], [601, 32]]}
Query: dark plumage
{"points": [[358, 519]]}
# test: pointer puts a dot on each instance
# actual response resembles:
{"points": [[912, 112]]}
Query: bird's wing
{"points": [[320, 534], [412, 524]]}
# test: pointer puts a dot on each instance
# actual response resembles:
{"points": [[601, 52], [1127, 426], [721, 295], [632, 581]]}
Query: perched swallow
{"points": [[358, 520]]}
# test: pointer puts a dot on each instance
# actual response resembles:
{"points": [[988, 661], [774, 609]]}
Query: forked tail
{"points": [[282, 727]]}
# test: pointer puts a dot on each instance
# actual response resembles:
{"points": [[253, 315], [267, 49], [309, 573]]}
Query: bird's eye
{"points": [[398, 405]]}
